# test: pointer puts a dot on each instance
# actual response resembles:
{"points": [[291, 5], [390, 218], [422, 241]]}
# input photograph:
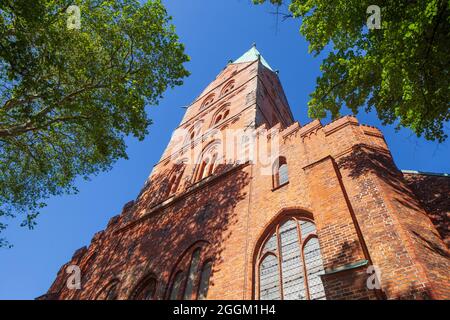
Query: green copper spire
{"points": [[252, 55]]}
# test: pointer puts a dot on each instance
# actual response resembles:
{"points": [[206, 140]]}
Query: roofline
{"points": [[426, 173]]}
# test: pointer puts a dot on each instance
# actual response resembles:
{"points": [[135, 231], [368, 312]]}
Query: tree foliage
{"points": [[68, 97], [400, 70]]}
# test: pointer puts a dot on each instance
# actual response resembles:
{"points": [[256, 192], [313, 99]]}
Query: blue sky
{"points": [[213, 32]]}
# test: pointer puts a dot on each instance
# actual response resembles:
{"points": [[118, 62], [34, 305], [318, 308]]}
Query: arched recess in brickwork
{"points": [[228, 87], [208, 160], [208, 101], [194, 132], [175, 176], [109, 291], [220, 115], [145, 289], [287, 262], [191, 275]]}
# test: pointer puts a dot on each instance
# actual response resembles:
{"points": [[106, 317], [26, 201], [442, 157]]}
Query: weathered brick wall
{"points": [[433, 192]]}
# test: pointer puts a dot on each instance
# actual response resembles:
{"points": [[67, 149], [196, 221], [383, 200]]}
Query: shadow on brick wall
{"points": [[362, 161], [429, 249], [157, 243], [433, 193]]}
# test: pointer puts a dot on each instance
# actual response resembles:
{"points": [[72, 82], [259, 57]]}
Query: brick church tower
{"points": [[246, 203]]}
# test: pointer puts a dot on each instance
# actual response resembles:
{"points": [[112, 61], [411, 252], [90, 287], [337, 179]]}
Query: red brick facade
{"points": [[220, 210], [433, 192]]}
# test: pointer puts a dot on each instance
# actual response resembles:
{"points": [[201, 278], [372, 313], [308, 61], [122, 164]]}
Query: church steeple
{"points": [[252, 55]]}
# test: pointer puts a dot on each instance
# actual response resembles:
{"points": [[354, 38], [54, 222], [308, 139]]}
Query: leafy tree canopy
{"points": [[400, 70], [68, 97]]}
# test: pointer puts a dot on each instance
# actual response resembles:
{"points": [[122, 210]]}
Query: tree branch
{"points": [[30, 124]]}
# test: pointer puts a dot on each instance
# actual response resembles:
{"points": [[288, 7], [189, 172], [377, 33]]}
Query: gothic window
{"points": [[269, 278], [228, 88], [112, 294], [193, 270], [207, 101], [194, 132], [176, 286], [145, 290], [280, 172], [192, 275], [207, 166], [212, 164], [204, 281], [208, 162], [283, 174], [202, 171], [221, 115], [171, 184], [289, 264], [175, 178], [109, 292]]}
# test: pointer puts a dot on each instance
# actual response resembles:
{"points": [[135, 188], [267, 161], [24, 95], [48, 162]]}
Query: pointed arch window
{"points": [[280, 172], [175, 178], [207, 164], [207, 101], [193, 270], [146, 290], [269, 278], [192, 277], [112, 292], [109, 292], [204, 281], [290, 264], [175, 292], [194, 132], [221, 115], [228, 88]]}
